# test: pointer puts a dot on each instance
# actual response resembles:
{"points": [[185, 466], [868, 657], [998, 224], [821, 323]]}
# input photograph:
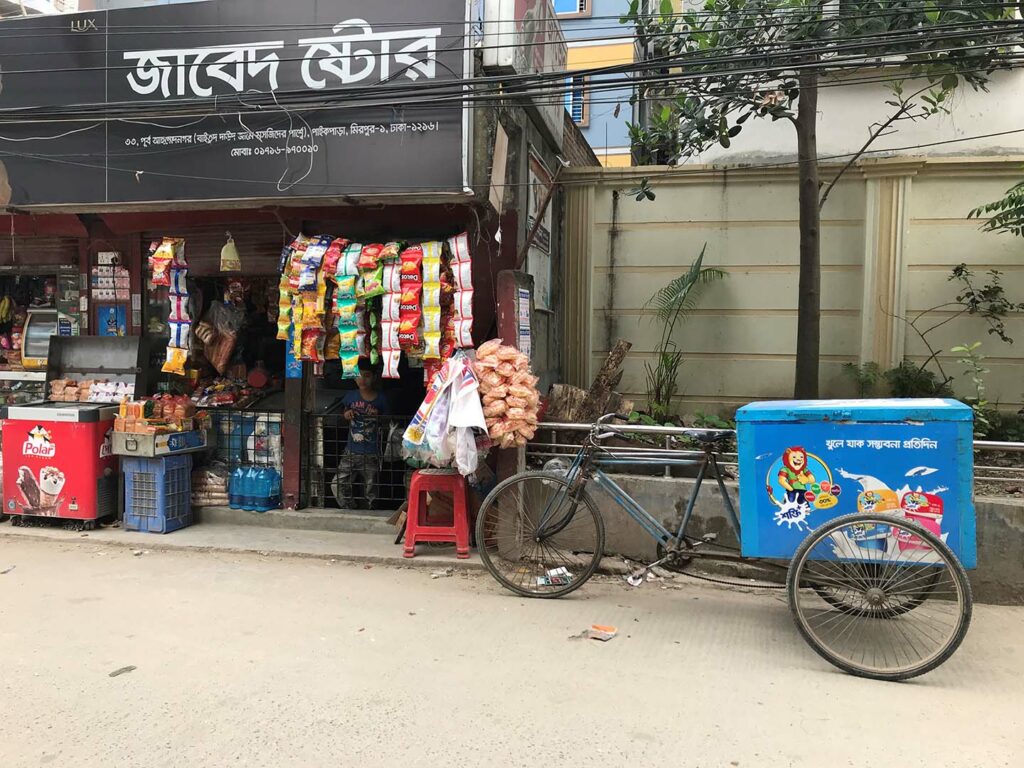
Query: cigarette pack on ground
{"points": [[602, 633]]}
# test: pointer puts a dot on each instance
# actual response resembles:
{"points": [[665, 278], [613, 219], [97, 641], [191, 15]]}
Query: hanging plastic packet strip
{"points": [[391, 360], [431, 321], [286, 258], [432, 250], [458, 246], [295, 270], [391, 307], [334, 255], [322, 289], [349, 264], [463, 308], [431, 295], [393, 278]]}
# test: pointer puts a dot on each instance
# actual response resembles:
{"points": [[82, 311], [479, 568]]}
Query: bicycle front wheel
{"points": [[879, 596], [536, 539]]}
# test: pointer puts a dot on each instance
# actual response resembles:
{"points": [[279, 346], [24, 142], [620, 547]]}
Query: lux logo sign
{"points": [[83, 25]]}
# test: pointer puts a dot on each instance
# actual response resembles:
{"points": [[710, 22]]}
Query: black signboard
{"points": [[234, 99]]}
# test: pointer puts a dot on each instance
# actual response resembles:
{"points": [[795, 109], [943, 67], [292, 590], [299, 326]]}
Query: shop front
{"points": [[301, 258]]}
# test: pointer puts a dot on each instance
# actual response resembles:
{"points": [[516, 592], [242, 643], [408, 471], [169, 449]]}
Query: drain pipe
{"points": [[613, 239]]}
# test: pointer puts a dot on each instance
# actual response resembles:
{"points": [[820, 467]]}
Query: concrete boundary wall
{"points": [[891, 232]]}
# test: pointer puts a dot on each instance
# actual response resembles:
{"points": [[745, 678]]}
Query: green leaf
{"points": [[950, 81], [667, 9]]}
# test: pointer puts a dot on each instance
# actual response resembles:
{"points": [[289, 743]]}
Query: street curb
{"points": [[161, 546]]}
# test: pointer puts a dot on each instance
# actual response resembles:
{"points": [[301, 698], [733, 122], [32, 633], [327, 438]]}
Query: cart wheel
{"points": [[879, 596], [535, 539], [89, 525], [16, 521]]}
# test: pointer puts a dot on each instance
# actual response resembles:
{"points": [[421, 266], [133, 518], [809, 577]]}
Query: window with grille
{"points": [[576, 99]]}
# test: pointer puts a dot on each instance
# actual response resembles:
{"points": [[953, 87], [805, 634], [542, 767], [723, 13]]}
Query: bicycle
{"points": [[871, 613]]}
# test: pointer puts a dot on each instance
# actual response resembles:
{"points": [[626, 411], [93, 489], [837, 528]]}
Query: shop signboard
{"points": [[523, 37], [234, 100]]}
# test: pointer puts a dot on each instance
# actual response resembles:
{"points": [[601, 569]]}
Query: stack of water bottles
{"points": [[255, 489]]}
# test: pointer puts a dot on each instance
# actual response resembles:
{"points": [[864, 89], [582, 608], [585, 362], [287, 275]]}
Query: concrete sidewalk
{"points": [[214, 537]]}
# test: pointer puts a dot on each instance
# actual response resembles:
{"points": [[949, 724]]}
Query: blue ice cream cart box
{"points": [[804, 462]]}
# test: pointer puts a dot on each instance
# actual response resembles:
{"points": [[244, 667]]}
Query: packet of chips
{"points": [[391, 252], [369, 257], [346, 287], [431, 345], [349, 340], [334, 255], [349, 264], [393, 278], [431, 269], [464, 333], [350, 366], [408, 333], [373, 282], [332, 346], [431, 294], [346, 312], [431, 321], [175, 362], [389, 335], [391, 306], [391, 359], [412, 263]]}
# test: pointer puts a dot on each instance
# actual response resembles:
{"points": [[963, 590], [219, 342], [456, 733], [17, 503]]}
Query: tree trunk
{"points": [[808, 334]]}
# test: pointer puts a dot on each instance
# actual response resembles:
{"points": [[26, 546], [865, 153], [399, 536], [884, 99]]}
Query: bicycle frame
{"points": [[586, 465]]}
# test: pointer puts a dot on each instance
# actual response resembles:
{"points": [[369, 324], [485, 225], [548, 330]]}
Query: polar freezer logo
{"points": [[39, 443]]}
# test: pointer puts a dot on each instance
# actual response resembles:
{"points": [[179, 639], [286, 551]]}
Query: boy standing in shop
{"points": [[365, 410]]}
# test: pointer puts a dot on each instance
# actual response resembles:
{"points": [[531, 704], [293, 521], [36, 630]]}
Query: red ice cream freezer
{"points": [[58, 461]]}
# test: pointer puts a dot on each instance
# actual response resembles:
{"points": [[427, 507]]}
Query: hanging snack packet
{"points": [[392, 278], [458, 246], [463, 275], [333, 256], [389, 335], [179, 281], [175, 361], [369, 256], [160, 260], [346, 312], [178, 312], [431, 345], [363, 343], [409, 333], [391, 359], [431, 269], [349, 339], [412, 261], [346, 287], [432, 250], [390, 308], [179, 334], [349, 264], [431, 321], [350, 366], [332, 346], [431, 294], [321, 296], [373, 282], [464, 334], [391, 252], [463, 308]]}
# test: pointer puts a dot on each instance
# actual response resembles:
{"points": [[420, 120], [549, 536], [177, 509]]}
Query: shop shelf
{"points": [[157, 494]]}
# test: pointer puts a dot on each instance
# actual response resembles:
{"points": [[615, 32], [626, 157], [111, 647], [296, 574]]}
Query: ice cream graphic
{"points": [[29, 488], [51, 483]]}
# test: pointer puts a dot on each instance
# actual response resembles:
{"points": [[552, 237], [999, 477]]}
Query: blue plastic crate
{"points": [[157, 494]]}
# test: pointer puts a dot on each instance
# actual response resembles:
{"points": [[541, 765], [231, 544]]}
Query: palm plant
{"points": [[671, 305]]}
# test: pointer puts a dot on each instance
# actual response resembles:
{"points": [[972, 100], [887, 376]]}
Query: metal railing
{"points": [[1000, 464]]}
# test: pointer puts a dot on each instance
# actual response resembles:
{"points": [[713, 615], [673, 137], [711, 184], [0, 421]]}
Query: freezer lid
{"points": [[62, 412], [881, 410]]}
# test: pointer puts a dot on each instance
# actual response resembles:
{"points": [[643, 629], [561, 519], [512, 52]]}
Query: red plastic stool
{"points": [[417, 527]]}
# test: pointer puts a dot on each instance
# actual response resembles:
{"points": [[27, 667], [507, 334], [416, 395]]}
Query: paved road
{"points": [[254, 661]]}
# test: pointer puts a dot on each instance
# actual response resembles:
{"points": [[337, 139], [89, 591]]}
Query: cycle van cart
{"points": [[866, 505]]}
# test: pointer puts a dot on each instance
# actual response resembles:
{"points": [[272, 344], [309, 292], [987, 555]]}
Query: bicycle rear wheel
{"points": [[879, 596], [535, 539]]}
